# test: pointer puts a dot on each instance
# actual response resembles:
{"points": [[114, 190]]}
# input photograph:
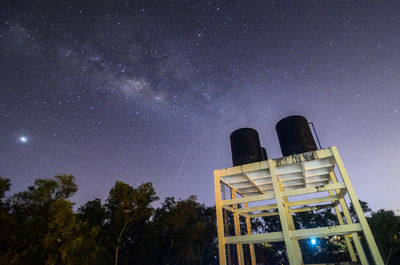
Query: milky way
{"points": [[150, 90]]}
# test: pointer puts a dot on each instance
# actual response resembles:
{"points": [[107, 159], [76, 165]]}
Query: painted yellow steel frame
{"points": [[337, 190]]}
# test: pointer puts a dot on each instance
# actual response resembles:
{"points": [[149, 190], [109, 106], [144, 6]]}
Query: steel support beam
{"points": [[317, 165]]}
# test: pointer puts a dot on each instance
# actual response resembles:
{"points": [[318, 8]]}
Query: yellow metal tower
{"points": [[273, 184]]}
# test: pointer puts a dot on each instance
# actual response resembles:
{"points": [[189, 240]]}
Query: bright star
{"points": [[313, 241], [23, 139]]}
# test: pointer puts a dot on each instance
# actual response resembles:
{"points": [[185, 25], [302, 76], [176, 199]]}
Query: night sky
{"points": [[143, 91]]}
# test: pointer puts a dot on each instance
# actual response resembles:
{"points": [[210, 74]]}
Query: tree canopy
{"points": [[40, 226]]}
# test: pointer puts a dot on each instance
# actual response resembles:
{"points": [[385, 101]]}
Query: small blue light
{"points": [[313, 241]]}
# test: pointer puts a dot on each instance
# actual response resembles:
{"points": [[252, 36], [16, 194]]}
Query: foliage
{"points": [[127, 208], [39, 226], [7, 220], [364, 207], [385, 226], [4, 187], [32, 213], [185, 232], [68, 240]]}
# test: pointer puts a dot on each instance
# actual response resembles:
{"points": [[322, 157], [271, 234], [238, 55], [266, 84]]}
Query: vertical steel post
{"points": [[226, 226], [357, 207], [357, 243], [249, 232], [236, 221], [340, 220], [220, 221], [293, 253]]}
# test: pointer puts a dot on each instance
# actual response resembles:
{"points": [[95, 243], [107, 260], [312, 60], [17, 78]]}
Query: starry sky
{"points": [[150, 90]]}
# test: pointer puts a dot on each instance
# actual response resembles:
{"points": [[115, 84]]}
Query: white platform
{"points": [[294, 172], [269, 185]]}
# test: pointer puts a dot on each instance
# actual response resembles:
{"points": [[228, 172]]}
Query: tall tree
{"points": [[385, 226], [32, 210], [4, 187], [45, 230], [365, 208], [7, 220], [185, 232], [127, 207], [93, 212], [69, 240]]}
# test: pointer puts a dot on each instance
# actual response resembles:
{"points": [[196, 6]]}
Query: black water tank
{"points": [[264, 153], [245, 146], [295, 136]]}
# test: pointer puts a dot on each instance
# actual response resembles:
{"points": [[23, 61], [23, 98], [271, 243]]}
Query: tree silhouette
{"points": [[39, 226]]}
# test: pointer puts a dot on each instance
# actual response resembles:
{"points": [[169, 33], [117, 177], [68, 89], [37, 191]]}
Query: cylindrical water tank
{"points": [[264, 153], [245, 146], [295, 136]]}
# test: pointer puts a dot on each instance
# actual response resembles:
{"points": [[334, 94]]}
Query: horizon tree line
{"points": [[39, 226]]}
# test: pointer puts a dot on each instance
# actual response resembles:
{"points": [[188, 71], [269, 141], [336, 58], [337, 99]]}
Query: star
{"points": [[23, 139], [194, 73]]}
